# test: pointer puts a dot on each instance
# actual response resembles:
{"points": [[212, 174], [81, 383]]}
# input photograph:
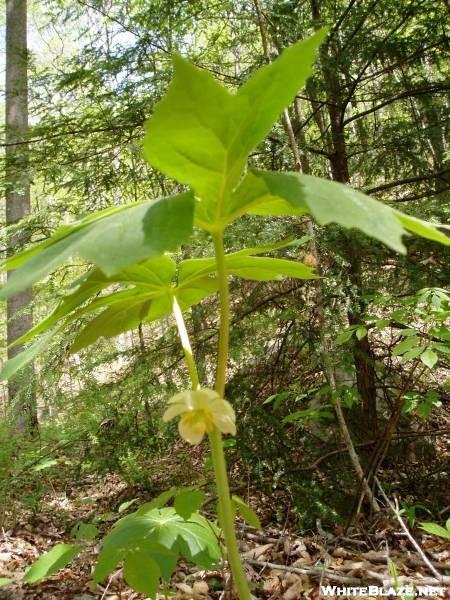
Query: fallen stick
{"points": [[339, 578], [260, 538], [420, 552], [381, 558], [313, 571], [411, 561]]}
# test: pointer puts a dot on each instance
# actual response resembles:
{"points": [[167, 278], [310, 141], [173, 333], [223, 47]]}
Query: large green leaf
{"points": [[188, 501], [266, 269], [150, 299], [195, 270], [86, 286], [107, 561], [190, 132], [273, 87], [148, 295], [120, 316], [244, 266], [153, 274], [166, 559], [422, 228], [150, 277], [122, 310], [264, 193], [12, 365], [436, 529], [155, 554], [201, 134], [328, 202], [158, 502], [112, 240], [193, 538], [57, 558], [141, 573], [190, 293], [247, 513]]}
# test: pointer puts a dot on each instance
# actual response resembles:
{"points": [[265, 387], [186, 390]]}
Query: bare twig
{"points": [[352, 453], [339, 578], [395, 510], [314, 571], [110, 580], [286, 118], [384, 441]]}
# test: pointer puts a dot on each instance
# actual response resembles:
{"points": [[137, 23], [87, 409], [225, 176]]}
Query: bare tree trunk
{"points": [[362, 352], [20, 390]]}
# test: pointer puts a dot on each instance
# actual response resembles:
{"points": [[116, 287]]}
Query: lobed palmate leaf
{"points": [[146, 295], [200, 134], [163, 532], [112, 239], [265, 192], [188, 501], [141, 572]]}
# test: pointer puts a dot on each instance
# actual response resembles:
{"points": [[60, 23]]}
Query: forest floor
{"points": [[280, 562]]}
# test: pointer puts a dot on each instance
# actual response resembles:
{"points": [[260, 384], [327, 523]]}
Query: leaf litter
{"points": [[281, 562]]}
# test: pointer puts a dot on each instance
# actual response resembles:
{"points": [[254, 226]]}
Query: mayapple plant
{"points": [[200, 134]]}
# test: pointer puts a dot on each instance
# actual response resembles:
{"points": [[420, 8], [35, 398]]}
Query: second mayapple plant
{"points": [[200, 134]]}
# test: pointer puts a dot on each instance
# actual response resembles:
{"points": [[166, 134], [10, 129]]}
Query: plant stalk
{"points": [[226, 512], [186, 344], [224, 331], [226, 515]]}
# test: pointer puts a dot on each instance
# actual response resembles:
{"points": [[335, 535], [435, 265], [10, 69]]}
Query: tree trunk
{"points": [[302, 165], [362, 353], [17, 195]]}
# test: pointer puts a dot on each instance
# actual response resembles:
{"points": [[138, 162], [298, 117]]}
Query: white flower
{"points": [[201, 411]]}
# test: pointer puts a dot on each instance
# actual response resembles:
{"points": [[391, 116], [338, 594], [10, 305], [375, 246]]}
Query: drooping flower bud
{"points": [[201, 410]]}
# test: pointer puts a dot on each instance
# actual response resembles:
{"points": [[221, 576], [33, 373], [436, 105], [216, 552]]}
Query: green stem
{"points": [[226, 515], [224, 332], [226, 512], [186, 344]]}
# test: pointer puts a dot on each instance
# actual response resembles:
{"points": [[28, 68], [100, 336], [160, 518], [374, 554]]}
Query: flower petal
{"points": [[222, 407], [173, 411], [201, 410], [192, 434], [223, 416], [185, 398], [208, 394], [225, 424]]}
